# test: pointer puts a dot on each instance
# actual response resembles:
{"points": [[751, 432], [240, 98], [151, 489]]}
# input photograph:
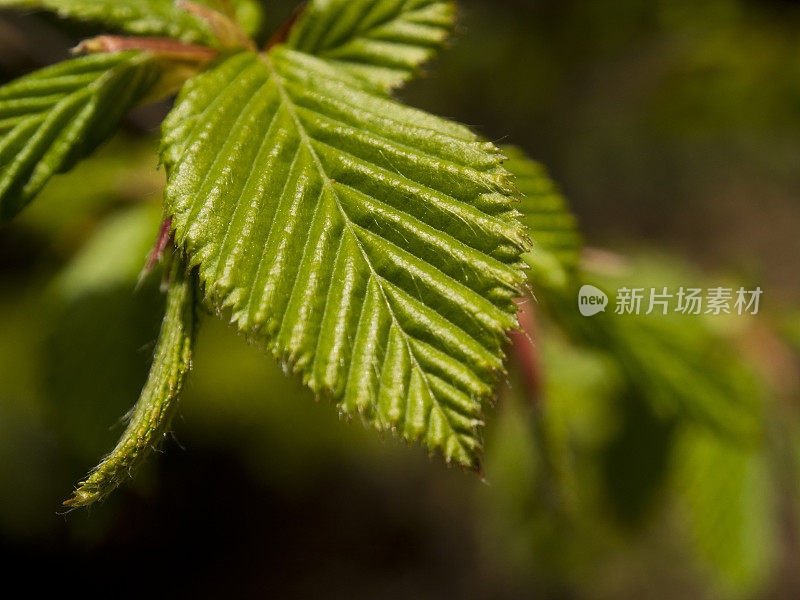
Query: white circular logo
{"points": [[591, 300]]}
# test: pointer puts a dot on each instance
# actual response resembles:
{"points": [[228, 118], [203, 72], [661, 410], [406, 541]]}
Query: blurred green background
{"points": [[673, 128]]}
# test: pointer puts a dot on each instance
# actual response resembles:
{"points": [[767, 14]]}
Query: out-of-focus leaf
{"points": [[728, 500], [95, 317], [675, 362], [678, 363], [543, 467], [248, 13], [122, 172], [556, 242], [113, 257]]}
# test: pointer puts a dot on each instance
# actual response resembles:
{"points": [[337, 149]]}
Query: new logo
{"points": [[591, 300]]}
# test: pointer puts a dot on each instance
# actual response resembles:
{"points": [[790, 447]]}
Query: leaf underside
{"points": [[370, 246], [381, 41], [52, 118]]}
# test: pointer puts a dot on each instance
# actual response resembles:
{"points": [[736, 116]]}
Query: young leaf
{"points": [[140, 17], [52, 118], [383, 41], [150, 418], [369, 245]]}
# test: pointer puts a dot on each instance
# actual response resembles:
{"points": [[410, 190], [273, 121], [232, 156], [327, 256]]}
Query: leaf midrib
{"points": [[327, 183]]}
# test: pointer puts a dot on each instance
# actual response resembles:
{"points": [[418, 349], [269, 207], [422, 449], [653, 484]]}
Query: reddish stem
{"points": [[526, 354], [164, 240], [162, 46]]}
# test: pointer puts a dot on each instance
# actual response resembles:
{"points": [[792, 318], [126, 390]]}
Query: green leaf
{"points": [[149, 420], [52, 118], [383, 41], [556, 242], [370, 246], [140, 17], [729, 504]]}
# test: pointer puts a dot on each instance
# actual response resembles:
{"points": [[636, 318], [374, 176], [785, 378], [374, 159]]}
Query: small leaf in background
{"points": [[678, 374], [113, 257], [556, 241], [92, 303], [249, 14], [679, 365], [727, 496], [119, 175], [546, 490]]}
